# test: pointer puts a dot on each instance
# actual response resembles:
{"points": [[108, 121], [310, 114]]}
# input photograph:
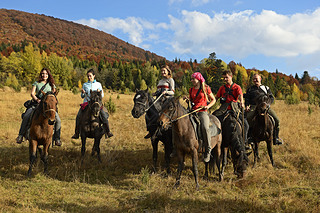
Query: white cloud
{"points": [[246, 33], [135, 28]]}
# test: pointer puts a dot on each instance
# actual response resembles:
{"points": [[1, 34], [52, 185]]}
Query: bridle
{"points": [[44, 111]]}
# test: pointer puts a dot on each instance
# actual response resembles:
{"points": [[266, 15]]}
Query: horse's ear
{"points": [[137, 90], [56, 92], [147, 89], [90, 91], [43, 93]]}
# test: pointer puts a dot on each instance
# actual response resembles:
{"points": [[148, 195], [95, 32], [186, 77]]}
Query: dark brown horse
{"points": [[144, 103], [41, 129], [232, 139], [91, 125], [185, 141], [262, 127]]}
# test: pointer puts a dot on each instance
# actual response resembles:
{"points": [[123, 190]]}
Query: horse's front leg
{"points": [[195, 167], [224, 161], [32, 154], [155, 153], [217, 159], [180, 156], [167, 152], [256, 153], [83, 147], [269, 147], [96, 147], [45, 156]]}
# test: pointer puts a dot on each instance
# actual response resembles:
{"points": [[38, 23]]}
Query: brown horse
{"points": [[91, 125], [185, 139], [262, 127], [41, 129]]}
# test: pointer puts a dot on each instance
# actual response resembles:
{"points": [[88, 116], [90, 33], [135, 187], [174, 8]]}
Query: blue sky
{"points": [[262, 34]]}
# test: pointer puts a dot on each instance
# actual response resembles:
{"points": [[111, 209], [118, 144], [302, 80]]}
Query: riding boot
{"points": [[19, 139], [108, 132], [276, 140], [207, 155], [148, 136], [56, 137]]}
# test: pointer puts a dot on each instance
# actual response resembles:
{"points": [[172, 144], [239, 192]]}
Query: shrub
{"points": [[292, 99], [75, 90], [110, 105]]}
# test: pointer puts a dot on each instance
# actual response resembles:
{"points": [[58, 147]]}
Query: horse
{"points": [[91, 125], [185, 140], [41, 129], [144, 103], [262, 127], [232, 139]]}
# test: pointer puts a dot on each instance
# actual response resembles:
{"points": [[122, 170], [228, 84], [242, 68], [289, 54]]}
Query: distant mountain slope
{"points": [[66, 37]]}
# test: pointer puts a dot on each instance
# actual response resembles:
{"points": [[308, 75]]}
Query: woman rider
{"points": [[45, 83], [92, 85], [165, 87], [199, 96]]}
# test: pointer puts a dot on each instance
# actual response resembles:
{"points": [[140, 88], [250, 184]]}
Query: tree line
{"points": [[21, 68]]}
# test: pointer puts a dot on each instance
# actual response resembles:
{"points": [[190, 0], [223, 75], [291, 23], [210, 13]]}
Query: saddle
{"points": [[214, 130]]}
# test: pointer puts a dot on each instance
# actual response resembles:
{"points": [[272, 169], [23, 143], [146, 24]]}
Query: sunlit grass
{"points": [[123, 181]]}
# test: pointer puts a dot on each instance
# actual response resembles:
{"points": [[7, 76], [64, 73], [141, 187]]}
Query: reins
{"points": [[178, 118], [153, 102]]}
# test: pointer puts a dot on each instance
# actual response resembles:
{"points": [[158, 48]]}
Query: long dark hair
{"points": [[50, 79]]}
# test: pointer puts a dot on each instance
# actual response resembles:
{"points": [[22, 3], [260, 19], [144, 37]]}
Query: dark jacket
{"points": [[254, 91]]}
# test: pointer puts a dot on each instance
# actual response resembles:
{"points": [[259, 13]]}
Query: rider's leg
{"points": [[104, 117], [204, 123], [77, 128], [57, 131], [276, 140], [24, 125]]}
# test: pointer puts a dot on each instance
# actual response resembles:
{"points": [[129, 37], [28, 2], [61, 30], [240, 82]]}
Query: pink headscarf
{"points": [[198, 76]]}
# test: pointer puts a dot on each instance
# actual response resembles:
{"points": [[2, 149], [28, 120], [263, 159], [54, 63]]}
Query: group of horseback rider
{"points": [[45, 83], [201, 99]]}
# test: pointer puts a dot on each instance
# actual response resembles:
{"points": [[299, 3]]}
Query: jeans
{"points": [[204, 125]]}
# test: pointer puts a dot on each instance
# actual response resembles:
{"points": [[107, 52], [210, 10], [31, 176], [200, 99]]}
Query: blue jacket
{"points": [[90, 86]]}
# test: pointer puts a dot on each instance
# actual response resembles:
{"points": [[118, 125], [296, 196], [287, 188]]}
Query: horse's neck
{"points": [[184, 123]]}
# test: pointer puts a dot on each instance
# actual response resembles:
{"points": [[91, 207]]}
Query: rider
{"points": [[91, 85], [165, 87], [45, 83], [229, 95], [199, 96], [250, 96]]}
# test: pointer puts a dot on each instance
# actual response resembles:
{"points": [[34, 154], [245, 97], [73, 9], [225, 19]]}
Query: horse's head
{"points": [[140, 100], [168, 113], [240, 163], [49, 106], [262, 104], [95, 102]]}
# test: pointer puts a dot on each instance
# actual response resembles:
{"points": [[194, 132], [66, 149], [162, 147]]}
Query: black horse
{"points": [[262, 127], [144, 103], [232, 139], [91, 125]]}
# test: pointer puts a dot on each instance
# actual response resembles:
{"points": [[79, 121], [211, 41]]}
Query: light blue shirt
{"points": [[94, 86]]}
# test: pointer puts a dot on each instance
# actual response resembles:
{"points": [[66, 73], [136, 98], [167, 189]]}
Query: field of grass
{"points": [[123, 182]]}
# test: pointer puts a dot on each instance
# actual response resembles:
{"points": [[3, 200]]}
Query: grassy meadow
{"points": [[123, 182]]}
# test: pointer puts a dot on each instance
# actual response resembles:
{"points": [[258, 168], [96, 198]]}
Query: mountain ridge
{"points": [[67, 38]]}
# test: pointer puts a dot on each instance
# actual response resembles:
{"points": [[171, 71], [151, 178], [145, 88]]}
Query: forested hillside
{"points": [[30, 42], [64, 38]]}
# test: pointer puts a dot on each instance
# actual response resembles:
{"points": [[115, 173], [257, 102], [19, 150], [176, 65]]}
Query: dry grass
{"points": [[123, 183]]}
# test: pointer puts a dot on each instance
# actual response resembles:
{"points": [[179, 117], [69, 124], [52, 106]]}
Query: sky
{"points": [[270, 35]]}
